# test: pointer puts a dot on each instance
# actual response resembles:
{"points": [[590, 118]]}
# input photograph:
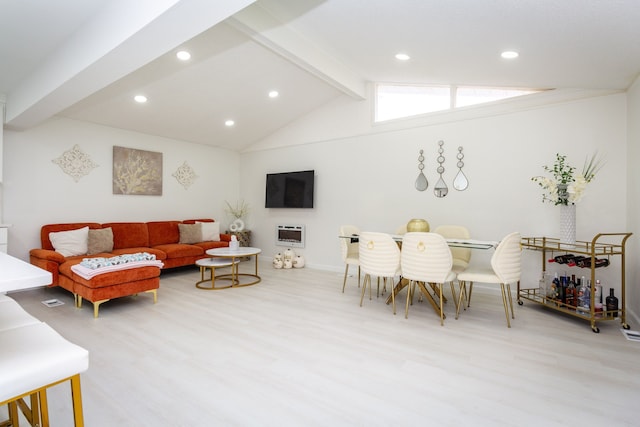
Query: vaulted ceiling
{"points": [[86, 59]]}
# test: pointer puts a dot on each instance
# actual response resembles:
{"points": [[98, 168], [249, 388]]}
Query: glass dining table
{"points": [[453, 243]]}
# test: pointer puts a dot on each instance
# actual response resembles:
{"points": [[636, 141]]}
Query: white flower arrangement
{"points": [[240, 210], [566, 187]]}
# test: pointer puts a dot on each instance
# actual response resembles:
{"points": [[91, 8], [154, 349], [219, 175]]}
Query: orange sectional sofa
{"points": [[160, 238]]}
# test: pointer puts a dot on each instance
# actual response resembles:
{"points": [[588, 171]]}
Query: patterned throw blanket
{"points": [[90, 267], [99, 262]]}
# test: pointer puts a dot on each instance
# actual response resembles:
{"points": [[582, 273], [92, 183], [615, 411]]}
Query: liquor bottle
{"points": [[587, 294], [581, 295], [542, 285], [570, 292], [562, 289], [612, 304], [554, 292], [597, 263], [597, 299]]}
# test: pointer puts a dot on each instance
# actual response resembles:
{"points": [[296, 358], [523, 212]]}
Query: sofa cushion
{"points": [[190, 233], [210, 231], [212, 245], [46, 229], [178, 250], [163, 232], [100, 241], [70, 243], [129, 234]]}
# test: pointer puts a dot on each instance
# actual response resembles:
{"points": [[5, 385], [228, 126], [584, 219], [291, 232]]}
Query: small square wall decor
{"points": [[137, 172]]}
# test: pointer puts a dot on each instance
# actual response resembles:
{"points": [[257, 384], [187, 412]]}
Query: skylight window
{"points": [[396, 101], [477, 95]]}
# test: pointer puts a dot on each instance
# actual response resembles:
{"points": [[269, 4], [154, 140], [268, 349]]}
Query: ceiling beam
{"points": [[265, 29], [125, 36]]}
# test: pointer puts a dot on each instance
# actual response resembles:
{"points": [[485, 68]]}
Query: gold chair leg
{"points": [[462, 289], [409, 297], [367, 279], [13, 414], [32, 411], [469, 296], [453, 295], [358, 276], [504, 302], [513, 316], [76, 397], [344, 282], [441, 304], [393, 296], [44, 407]]}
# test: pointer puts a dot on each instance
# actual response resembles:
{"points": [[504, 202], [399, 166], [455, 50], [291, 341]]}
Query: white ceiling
{"points": [[85, 59]]}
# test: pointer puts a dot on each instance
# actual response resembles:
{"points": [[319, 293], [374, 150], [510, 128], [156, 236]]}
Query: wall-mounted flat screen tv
{"points": [[290, 190]]}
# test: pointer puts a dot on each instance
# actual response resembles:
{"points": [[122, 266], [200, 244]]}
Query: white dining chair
{"points": [[350, 251], [426, 258], [505, 269], [461, 256], [379, 257]]}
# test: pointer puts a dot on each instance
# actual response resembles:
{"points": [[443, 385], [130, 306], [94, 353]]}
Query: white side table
{"points": [[234, 255], [212, 264]]}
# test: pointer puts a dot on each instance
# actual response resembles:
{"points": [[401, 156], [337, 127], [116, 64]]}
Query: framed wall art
{"points": [[137, 172]]}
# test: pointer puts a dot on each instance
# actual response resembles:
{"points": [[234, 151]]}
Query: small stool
{"points": [[34, 358], [12, 316], [213, 263]]}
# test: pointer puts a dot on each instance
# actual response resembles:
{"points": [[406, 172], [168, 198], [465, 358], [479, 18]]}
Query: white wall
{"points": [[364, 175], [367, 178], [633, 196], [37, 191]]}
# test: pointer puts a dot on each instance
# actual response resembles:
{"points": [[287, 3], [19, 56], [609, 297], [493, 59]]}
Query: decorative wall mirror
{"points": [[421, 181], [441, 189], [460, 182]]}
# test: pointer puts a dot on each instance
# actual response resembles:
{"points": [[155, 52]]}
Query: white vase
{"points": [[237, 225], [568, 224]]}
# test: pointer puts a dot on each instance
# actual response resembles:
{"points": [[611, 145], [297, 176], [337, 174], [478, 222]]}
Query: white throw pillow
{"points": [[210, 231], [70, 243]]}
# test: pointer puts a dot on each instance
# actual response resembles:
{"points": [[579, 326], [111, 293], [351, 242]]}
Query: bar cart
{"points": [[593, 250]]}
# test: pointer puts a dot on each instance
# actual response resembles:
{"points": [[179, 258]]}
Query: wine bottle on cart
{"points": [[597, 299], [612, 304]]}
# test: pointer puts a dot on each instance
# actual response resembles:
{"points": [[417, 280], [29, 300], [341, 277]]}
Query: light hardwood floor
{"points": [[295, 351]]}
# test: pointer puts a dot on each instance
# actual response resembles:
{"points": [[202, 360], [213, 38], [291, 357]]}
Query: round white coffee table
{"points": [[234, 255], [212, 264]]}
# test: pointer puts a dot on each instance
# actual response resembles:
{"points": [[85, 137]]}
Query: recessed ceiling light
{"points": [[509, 54], [140, 99], [229, 123], [183, 55], [402, 57], [273, 94]]}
